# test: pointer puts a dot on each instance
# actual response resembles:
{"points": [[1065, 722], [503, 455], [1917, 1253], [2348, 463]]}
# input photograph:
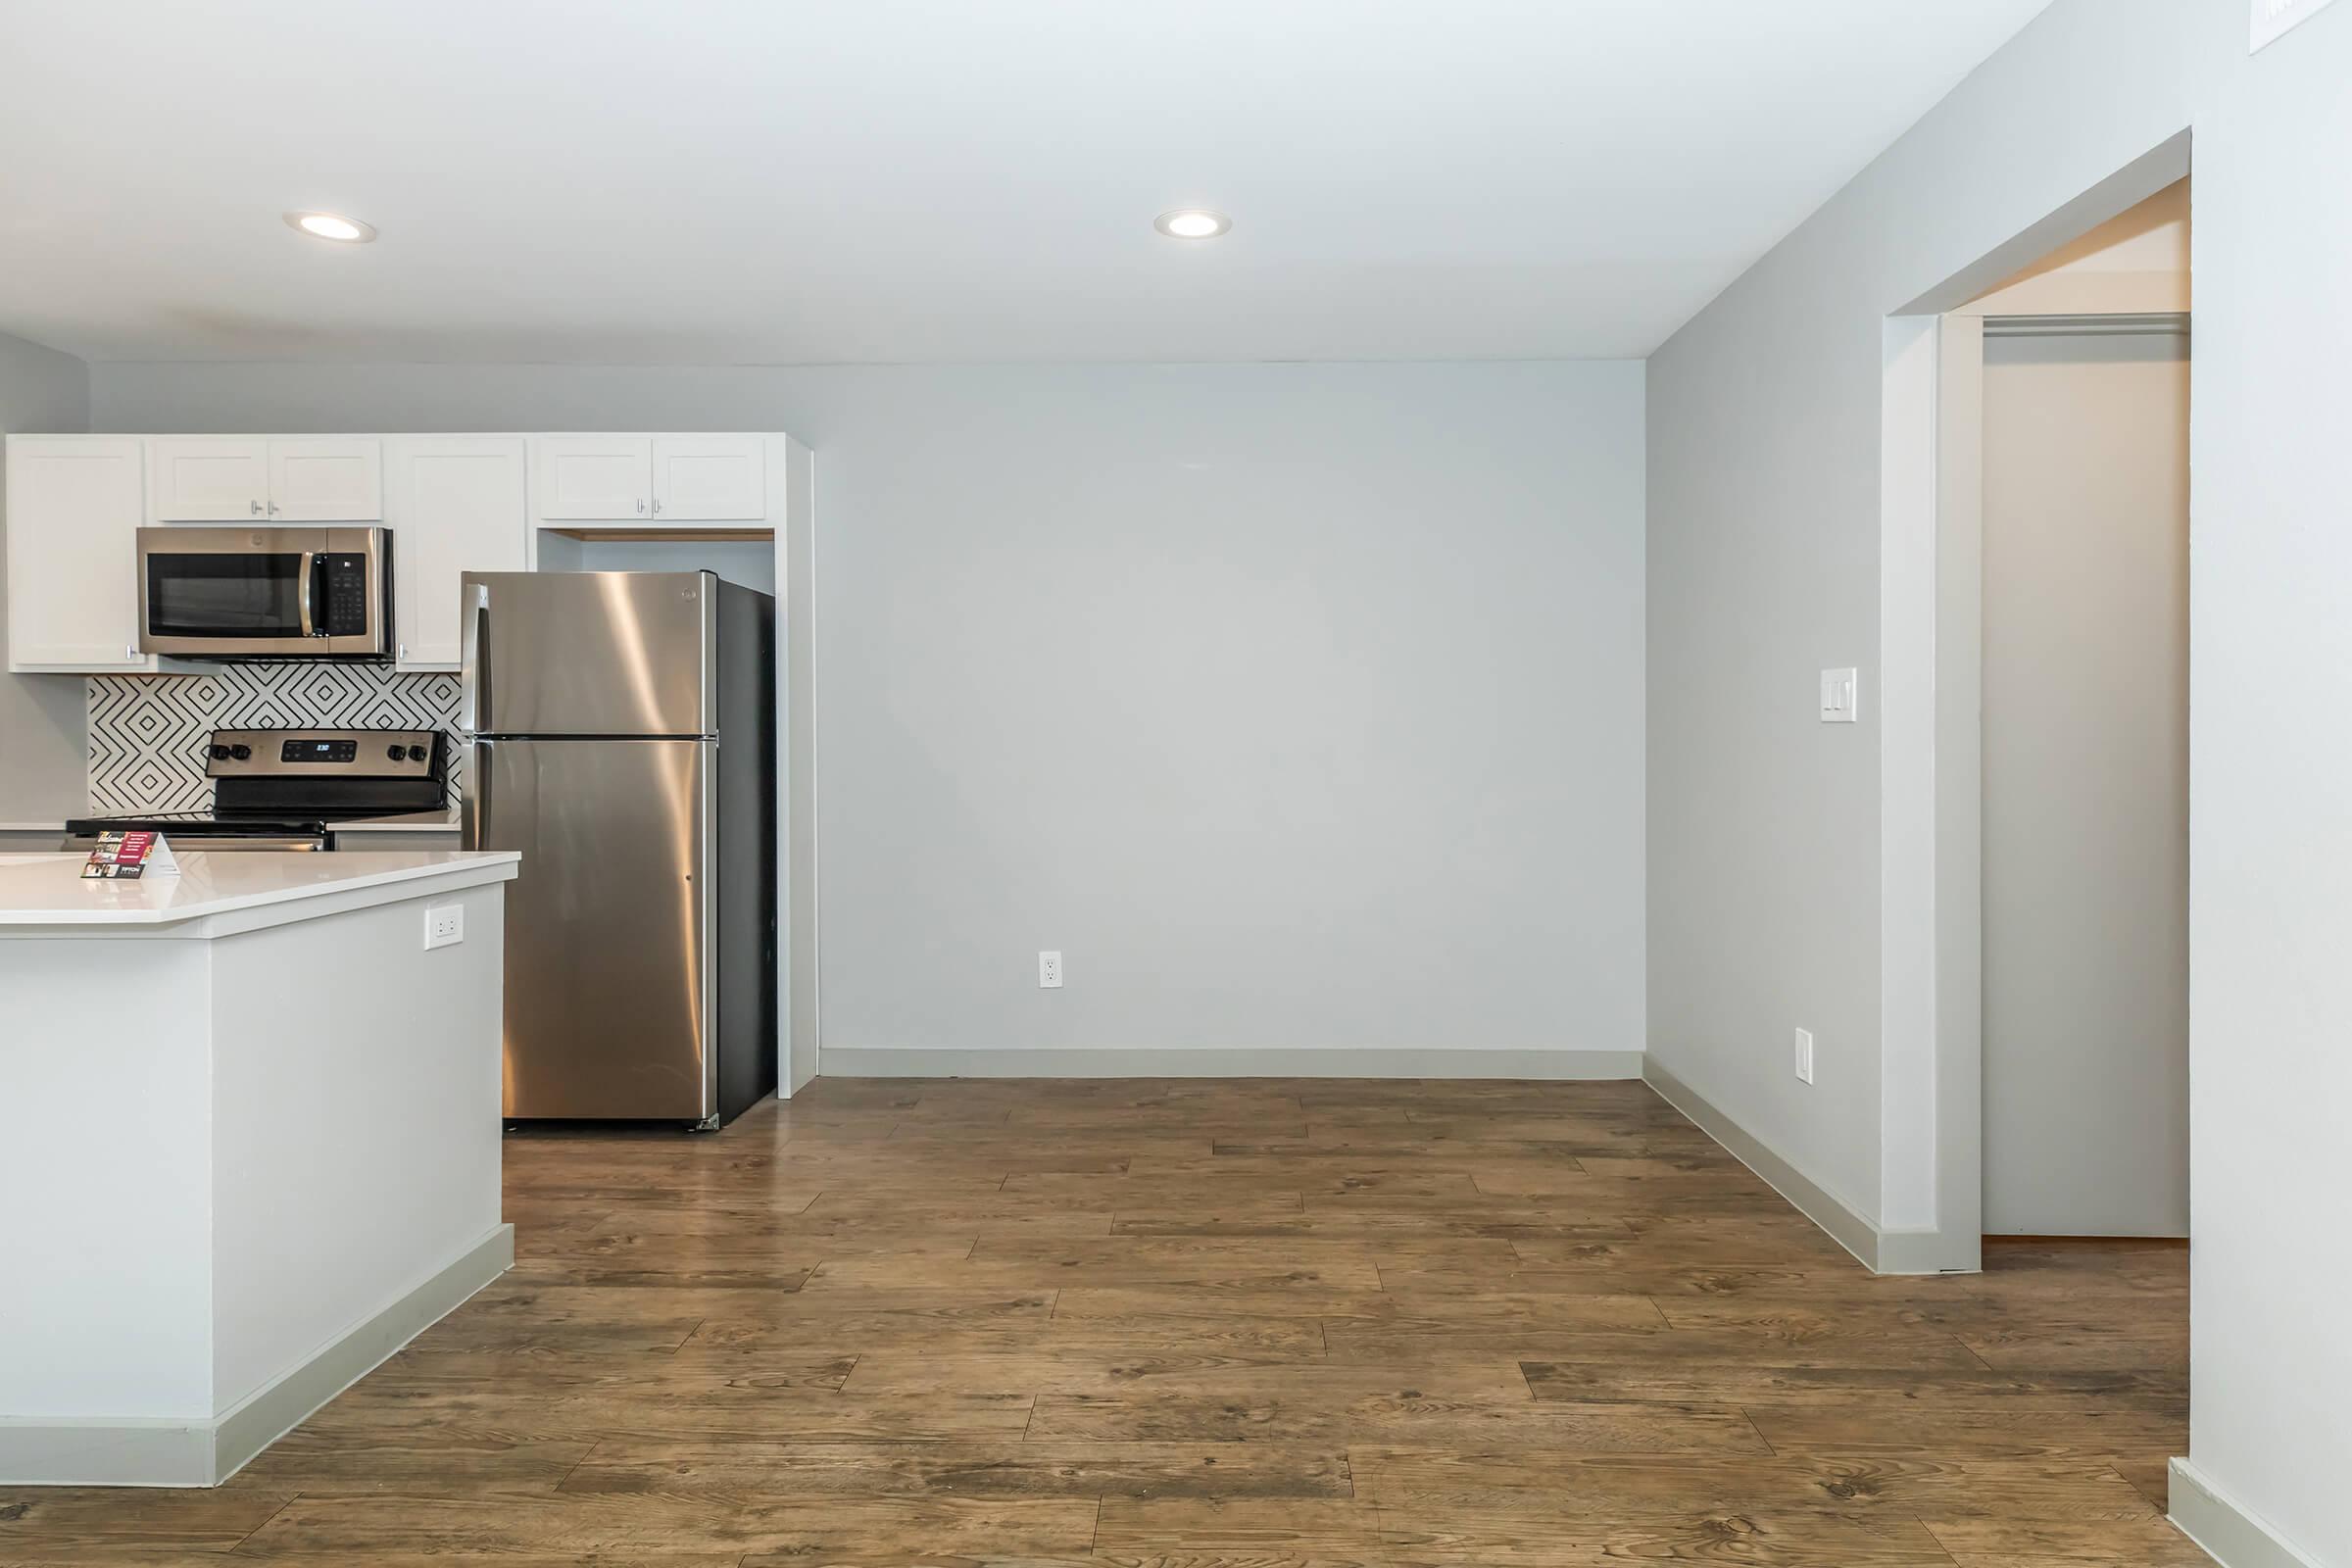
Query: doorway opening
{"points": [[2071, 282], [2085, 384]]}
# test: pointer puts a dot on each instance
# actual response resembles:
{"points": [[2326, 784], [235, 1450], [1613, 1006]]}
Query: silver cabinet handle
{"points": [[273, 508], [640, 505], [256, 506], [657, 506]]}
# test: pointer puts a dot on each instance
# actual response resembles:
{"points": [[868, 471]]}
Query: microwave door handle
{"points": [[473, 659], [310, 559]]}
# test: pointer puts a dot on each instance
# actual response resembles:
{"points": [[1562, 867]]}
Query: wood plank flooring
{"points": [[1209, 1324]]}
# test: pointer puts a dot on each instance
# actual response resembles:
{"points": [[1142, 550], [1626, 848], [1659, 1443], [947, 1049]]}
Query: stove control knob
{"points": [[396, 753], [417, 753], [241, 752], [219, 752]]}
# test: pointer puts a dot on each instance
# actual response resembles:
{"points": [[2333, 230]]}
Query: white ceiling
{"points": [[730, 181]]}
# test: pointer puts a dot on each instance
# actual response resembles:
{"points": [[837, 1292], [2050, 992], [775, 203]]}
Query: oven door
{"points": [[264, 593]]}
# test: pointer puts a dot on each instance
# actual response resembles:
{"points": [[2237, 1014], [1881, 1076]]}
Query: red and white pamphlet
{"points": [[125, 857]]}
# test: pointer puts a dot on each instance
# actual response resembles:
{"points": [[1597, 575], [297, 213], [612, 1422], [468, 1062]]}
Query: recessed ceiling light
{"points": [[331, 225], [1192, 223]]}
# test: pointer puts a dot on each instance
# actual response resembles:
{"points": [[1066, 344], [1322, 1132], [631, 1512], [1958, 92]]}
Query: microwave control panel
{"points": [[343, 596]]}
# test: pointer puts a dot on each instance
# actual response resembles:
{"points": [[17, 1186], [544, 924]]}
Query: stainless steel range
{"points": [[287, 789]]}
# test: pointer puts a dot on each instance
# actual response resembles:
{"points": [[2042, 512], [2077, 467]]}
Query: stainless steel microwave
{"points": [[266, 593]]}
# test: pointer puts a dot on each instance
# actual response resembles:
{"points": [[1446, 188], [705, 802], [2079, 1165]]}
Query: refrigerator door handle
{"points": [[473, 807], [473, 659]]}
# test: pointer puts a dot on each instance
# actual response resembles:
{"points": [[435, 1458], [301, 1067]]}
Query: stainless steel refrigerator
{"points": [[620, 733]]}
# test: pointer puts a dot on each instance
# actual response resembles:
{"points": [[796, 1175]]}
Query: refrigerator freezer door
{"points": [[609, 935], [590, 653]]}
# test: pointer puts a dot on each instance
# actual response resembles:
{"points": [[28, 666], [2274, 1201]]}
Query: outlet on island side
{"points": [[444, 925], [1049, 971], [1804, 1056]]}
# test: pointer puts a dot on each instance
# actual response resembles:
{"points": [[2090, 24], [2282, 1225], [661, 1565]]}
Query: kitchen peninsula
{"points": [[249, 1133]]}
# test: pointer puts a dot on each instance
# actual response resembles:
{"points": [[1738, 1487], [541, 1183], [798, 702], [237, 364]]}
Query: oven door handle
{"points": [[310, 561]]}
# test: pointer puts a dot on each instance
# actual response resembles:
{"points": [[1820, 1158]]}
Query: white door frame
{"points": [[1930, 683]]}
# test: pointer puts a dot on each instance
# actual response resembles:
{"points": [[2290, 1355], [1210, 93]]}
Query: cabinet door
{"points": [[74, 506], [327, 480], [596, 479], [455, 503], [208, 479], [710, 479]]}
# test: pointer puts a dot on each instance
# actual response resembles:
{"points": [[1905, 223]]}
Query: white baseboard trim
{"points": [[916, 1062], [105, 1451], [280, 1406], [1929, 1252], [102, 1452], [1882, 1251], [2231, 1533]]}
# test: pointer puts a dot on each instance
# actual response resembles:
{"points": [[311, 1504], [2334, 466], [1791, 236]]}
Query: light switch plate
{"points": [[1804, 1056], [1840, 696], [2269, 19]]}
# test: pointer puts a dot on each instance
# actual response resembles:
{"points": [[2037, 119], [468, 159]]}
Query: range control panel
{"points": [[324, 752]]}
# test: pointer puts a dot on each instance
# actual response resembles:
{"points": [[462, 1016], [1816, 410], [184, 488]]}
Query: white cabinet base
{"points": [[214, 1254], [128, 1451]]}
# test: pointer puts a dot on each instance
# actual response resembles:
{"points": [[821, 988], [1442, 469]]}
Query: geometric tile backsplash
{"points": [[147, 732]]}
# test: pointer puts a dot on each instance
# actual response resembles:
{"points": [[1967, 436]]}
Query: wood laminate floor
{"points": [[1211, 1324]]}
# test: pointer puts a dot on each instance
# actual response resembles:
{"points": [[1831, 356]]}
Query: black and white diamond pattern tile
{"points": [[148, 732]]}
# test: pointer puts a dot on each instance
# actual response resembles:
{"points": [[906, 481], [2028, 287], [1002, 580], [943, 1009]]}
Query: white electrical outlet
{"points": [[1804, 1056], [1049, 971], [444, 925]]}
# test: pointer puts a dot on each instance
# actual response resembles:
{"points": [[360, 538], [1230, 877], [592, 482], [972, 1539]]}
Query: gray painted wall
{"points": [[1765, 423], [2271, 773], [41, 393], [1764, 432], [2085, 769], [1300, 706]]}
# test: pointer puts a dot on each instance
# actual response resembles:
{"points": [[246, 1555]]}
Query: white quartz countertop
{"points": [[49, 890]]}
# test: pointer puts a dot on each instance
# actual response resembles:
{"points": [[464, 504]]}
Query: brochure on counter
{"points": [[125, 857]]}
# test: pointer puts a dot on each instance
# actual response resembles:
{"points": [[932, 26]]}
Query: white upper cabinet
{"points": [[253, 479], [596, 479], [710, 479], [655, 481], [74, 506], [455, 503], [208, 479], [336, 479]]}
